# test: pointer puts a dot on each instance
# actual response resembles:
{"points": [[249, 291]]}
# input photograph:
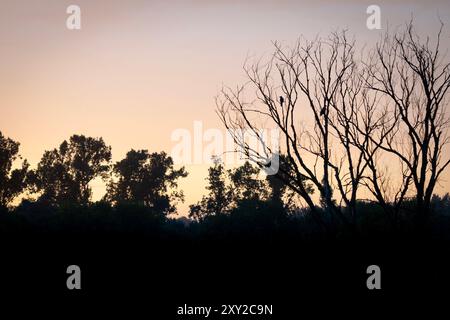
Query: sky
{"points": [[139, 70]]}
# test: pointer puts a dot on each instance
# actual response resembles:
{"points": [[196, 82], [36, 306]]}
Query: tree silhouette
{"points": [[245, 184], [280, 193], [146, 179], [63, 175], [414, 79], [241, 186], [12, 181], [219, 197], [312, 71]]}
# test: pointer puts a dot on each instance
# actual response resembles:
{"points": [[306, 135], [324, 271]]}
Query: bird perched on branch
{"points": [[281, 100], [322, 112]]}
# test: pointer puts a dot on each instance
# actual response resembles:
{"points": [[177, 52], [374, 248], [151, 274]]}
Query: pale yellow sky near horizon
{"points": [[138, 70]]}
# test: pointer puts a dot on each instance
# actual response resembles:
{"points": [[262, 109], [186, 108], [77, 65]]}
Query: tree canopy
{"points": [[12, 181], [64, 173], [146, 178]]}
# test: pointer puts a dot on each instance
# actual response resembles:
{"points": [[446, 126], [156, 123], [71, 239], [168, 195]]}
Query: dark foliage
{"points": [[63, 175], [250, 218], [148, 180], [12, 181]]}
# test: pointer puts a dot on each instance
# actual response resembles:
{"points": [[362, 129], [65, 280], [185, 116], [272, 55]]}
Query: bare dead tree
{"points": [[359, 119], [311, 73], [388, 106], [352, 110], [414, 78]]}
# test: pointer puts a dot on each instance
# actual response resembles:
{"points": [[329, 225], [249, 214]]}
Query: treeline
{"points": [[142, 193], [63, 176]]}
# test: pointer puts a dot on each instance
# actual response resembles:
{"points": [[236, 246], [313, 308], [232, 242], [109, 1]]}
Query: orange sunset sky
{"points": [[138, 70]]}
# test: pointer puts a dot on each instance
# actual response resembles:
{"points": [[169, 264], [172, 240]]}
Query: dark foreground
{"points": [[140, 265], [147, 277]]}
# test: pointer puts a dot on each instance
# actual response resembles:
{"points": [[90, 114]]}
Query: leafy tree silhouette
{"points": [[146, 179], [219, 197], [229, 190], [12, 182], [246, 185], [63, 175], [279, 183]]}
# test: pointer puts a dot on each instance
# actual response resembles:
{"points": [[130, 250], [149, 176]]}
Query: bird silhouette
{"points": [[281, 100], [322, 112]]}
